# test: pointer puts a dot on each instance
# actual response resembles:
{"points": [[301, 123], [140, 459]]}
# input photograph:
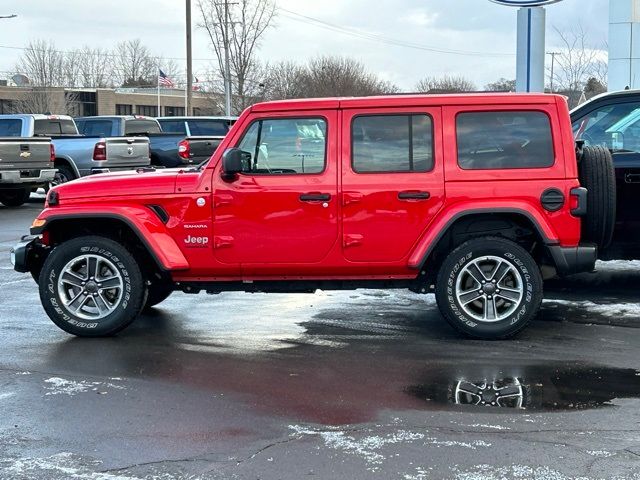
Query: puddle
{"points": [[543, 387]]}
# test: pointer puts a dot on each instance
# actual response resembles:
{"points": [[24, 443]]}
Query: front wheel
{"points": [[91, 286], [489, 288]]}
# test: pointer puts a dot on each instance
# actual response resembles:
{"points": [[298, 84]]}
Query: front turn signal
{"points": [[37, 223]]}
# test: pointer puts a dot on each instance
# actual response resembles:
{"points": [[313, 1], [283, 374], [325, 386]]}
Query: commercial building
{"points": [[107, 101]]}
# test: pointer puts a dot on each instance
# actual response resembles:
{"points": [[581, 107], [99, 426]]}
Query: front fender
{"points": [[447, 217], [144, 223]]}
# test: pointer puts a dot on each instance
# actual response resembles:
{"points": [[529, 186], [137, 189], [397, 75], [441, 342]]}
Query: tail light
{"points": [[52, 153], [184, 149], [100, 151]]}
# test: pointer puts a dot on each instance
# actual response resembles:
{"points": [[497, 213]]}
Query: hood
{"points": [[124, 183]]}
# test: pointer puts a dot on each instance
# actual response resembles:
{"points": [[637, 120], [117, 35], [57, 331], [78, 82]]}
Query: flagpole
{"points": [[158, 84]]}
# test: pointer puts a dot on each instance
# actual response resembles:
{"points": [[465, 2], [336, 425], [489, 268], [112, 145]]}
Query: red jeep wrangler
{"points": [[470, 196]]}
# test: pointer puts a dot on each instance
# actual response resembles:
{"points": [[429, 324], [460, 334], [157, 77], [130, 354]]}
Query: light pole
{"points": [[189, 61], [553, 61]]}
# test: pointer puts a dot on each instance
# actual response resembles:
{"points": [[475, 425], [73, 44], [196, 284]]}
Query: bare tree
{"points": [[501, 85], [241, 25], [94, 67], [42, 64], [445, 84], [577, 61], [330, 76], [285, 80], [133, 65], [48, 100]]}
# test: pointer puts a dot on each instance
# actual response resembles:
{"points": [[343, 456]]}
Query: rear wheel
{"points": [[14, 197], [489, 288], [64, 174], [597, 175], [91, 286]]}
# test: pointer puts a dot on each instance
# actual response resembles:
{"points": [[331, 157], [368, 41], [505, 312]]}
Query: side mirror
{"points": [[232, 162]]}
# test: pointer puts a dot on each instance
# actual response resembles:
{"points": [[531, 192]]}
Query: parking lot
{"points": [[333, 384]]}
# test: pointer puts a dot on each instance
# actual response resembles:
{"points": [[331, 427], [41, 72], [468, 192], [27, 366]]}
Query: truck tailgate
{"points": [[127, 151], [18, 153]]}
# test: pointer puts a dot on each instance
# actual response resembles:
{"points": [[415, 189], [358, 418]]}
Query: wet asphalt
{"points": [[354, 385]]}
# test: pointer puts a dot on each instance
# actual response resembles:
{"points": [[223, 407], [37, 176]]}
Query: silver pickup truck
{"points": [[25, 165], [78, 155]]}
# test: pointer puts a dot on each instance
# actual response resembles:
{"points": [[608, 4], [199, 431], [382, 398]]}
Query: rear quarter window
{"points": [[504, 140], [173, 126], [208, 127]]}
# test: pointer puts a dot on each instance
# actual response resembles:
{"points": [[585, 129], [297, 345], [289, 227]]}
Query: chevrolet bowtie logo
{"points": [[25, 154]]}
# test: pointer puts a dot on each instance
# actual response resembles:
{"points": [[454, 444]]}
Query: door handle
{"points": [[315, 197], [412, 195]]}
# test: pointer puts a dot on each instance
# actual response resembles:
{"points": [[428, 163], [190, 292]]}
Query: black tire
{"points": [[597, 175], [158, 292], [64, 174], [510, 316], [113, 260], [14, 197]]}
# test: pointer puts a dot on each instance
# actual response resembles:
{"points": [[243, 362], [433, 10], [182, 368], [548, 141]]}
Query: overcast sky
{"points": [[483, 28]]}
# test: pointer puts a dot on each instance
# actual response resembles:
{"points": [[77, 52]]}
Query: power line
{"points": [[383, 39]]}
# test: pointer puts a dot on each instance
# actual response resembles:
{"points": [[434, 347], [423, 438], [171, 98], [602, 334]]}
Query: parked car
{"points": [[168, 149], [80, 155], [468, 196], [25, 163], [197, 126], [612, 120]]}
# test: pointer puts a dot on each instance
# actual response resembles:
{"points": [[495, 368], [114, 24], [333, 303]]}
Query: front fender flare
{"points": [[144, 223]]}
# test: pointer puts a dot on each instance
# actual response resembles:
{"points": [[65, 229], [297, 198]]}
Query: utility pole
{"points": [[227, 70], [553, 61], [189, 86]]}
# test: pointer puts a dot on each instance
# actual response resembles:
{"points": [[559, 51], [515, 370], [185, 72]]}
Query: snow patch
{"points": [[482, 425], [618, 265], [612, 310], [60, 386], [600, 453], [6, 395]]}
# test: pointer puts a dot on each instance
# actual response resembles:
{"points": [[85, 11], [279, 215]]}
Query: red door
{"points": [[392, 180], [284, 208]]}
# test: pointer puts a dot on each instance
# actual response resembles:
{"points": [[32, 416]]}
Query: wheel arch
{"points": [[64, 160], [155, 246], [510, 223]]}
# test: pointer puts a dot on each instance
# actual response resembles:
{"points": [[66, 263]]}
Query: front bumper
{"points": [[570, 260], [16, 176], [28, 254]]}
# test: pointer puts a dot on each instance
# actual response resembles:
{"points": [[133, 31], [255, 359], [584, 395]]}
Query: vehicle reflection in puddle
{"points": [[544, 388]]}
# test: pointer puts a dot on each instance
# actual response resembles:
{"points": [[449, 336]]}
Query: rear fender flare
{"points": [[439, 227]]}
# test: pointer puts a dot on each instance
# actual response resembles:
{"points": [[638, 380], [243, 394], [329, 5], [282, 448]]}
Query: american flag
{"points": [[196, 87], [164, 80]]}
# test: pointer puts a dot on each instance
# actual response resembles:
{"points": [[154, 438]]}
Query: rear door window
{"points": [[504, 140], [392, 143], [10, 128], [141, 126], [173, 126], [208, 127], [96, 128]]}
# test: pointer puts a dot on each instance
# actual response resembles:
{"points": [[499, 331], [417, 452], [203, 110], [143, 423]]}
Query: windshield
{"points": [[616, 127]]}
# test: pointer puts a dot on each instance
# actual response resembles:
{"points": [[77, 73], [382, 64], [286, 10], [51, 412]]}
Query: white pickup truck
{"points": [[78, 155]]}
